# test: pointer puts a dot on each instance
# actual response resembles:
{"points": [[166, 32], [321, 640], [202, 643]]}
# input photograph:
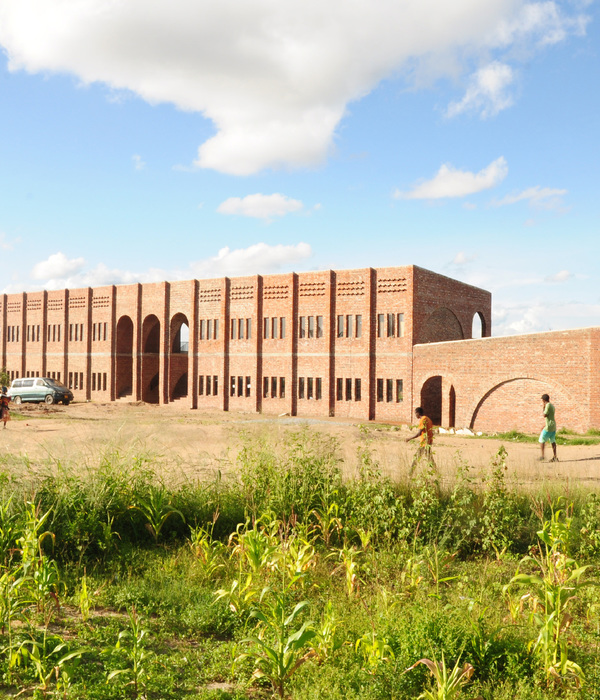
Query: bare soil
{"points": [[185, 444]]}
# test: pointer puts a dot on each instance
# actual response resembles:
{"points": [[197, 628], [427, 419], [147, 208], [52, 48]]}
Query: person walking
{"points": [[425, 434], [4, 410], [548, 434]]}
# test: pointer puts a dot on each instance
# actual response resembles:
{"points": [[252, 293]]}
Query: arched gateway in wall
{"points": [[124, 358], [150, 359]]}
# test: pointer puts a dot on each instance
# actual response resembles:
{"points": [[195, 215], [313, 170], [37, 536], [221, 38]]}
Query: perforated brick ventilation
{"points": [[311, 289], [351, 289], [391, 285], [276, 292]]}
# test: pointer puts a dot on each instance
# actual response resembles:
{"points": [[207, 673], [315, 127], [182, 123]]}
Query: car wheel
{"points": [[17, 400], [49, 400], [66, 402]]}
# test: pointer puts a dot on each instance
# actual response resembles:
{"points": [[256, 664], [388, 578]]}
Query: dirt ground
{"points": [[185, 444]]}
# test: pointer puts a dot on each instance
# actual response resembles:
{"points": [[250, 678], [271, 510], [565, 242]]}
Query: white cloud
{"points": [[138, 163], [274, 77], [5, 244], [534, 316], [487, 92], [559, 277], [260, 206], [449, 182], [461, 258], [538, 197], [260, 258], [57, 265]]}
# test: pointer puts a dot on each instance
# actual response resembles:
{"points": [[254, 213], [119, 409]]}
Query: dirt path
{"points": [[194, 444]]}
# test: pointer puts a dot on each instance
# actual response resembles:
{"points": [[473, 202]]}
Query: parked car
{"points": [[39, 389]]}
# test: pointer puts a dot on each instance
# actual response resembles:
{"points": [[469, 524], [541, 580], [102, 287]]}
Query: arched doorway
{"points": [[178, 357], [478, 328], [150, 359], [452, 408], [431, 399], [124, 356]]}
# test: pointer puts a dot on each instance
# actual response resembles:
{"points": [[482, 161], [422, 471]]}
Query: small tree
{"points": [[4, 377]]}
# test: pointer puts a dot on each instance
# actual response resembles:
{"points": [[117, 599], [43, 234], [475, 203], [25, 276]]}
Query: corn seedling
{"points": [[157, 509], [374, 651], [207, 551], [348, 557], [325, 641], [131, 645], [446, 685], [328, 521]]}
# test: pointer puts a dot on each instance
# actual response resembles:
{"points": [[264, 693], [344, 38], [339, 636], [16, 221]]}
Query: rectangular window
{"points": [[282, 387], [318, 388], [216, 327], [93, 381], [202, 329], [232, 387], [241, 328], [81, 331], [273, 387], [265, 387], [358, 326], [274, 324], [389, 388], [311, 326], [209, 329], [28, 327], [282, 327], [301, 387], [93, 333], [380, 390], [400, 325], [70, 380], [76, 380], [319, 326], [339, 389], [391, 325], [70, 333], [240, 386], [399, 391], [233, 328], [348, 390], [58, 376], [103, 380], [249, 328], [81, 380], [380, 325], [266, 328], [209, 390], [215, 385], [340, 326], [201, 386], [38, 334], [248, 386], [309, 388], [302, 333], [357, 389], [349, 326]]}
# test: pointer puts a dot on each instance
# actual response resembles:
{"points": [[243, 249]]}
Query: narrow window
{"points": [[202, 329], [233, 327], [58, 333], [93, 333], [38, 334], [389, 388], [249, 328], [274, 325], [81, 331], [319, 326], [215, 385], [380, 325], [311, 327], [400, 325], [248, 386], [58, 376], [348, 390], [318, 388], [93, 381], [81, 380], [357, 389], [339, 389], [18, 328], [201, 385], [76, 379], [273, 387], [28, 327], [70, 380], [49, 333], [241, 328], [232, 387], [208, 387], [380, 390], [240, 386], [340, 326], [216, 327], [282, 387], [399, 391], [309, 388], [349, 327], [282, 327], [103, 381], [265, 387], [266, 328], [391, 325], [209, 329], [301, 387], [358, 326], [302, 327]]}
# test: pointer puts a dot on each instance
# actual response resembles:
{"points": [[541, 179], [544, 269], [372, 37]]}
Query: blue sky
{"points": [[141, 142]]}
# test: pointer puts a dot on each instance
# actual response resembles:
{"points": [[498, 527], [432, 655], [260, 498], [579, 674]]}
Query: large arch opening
{"points": [[441, 325], [431, 399], [150, 359], [452, 408], [178, 358], [124, 356], [478, 328]]}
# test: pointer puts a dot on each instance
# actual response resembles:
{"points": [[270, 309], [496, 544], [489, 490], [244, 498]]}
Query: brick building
{"points": [[367, 344]]}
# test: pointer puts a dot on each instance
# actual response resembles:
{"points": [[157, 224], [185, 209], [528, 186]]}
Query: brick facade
{"points": [[367, 344]]}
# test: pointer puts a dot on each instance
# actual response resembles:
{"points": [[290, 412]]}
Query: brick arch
{"points": [[478, 321], [151, 359], [442, 406], [517, 402], [178, 358], [441, 325], [124, 357]]}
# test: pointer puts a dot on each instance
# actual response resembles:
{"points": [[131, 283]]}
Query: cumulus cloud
{"points": [[58, 272], [450, 182], [487, 92], [260, 206], [274, 77], [534, 316], [559, 277], [538, 197], [461, 258], [57, 266]]}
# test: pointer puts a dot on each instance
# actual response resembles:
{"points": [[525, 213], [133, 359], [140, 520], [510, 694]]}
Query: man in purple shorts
{"points": [[548, 434]]}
